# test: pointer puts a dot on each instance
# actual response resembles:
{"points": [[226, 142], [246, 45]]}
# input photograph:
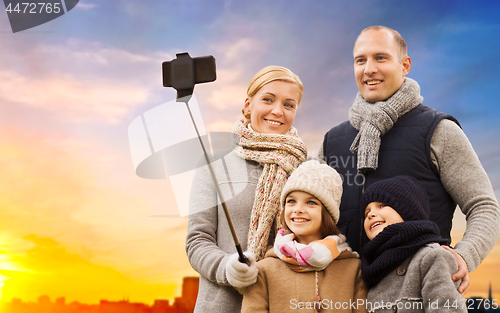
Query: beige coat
{"points": [[279, 289]]}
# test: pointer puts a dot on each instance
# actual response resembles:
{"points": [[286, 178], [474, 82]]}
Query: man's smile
{"points": [[373, 82]]}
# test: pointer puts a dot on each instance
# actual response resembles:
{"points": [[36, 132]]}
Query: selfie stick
{"points": [[182, 74]]}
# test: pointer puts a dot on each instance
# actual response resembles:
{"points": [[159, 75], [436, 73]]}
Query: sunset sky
{"points": [[76, 221]]}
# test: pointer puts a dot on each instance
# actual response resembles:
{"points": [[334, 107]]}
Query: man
{"points": [[390, 132]]}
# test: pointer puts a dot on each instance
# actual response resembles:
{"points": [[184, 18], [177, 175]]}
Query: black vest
{"points": [[404, 150]]}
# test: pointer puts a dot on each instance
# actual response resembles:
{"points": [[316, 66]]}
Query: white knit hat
{"points": [[319, 180]]}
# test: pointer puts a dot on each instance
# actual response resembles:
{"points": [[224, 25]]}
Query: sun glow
{"points": [[2, 280], [5, 265], [10, 251]]}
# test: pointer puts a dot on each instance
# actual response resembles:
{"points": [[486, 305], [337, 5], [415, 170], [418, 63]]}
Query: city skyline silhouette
{"points": [[183, 304]]}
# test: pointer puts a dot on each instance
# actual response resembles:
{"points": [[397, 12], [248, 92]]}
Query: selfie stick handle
{"points": [[242, 258]]}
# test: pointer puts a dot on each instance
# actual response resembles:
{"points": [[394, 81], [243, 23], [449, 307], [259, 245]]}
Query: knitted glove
{"points": [[240, 275]]}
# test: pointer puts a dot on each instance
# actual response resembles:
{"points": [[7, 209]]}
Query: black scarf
{"points": [[393, 246]]}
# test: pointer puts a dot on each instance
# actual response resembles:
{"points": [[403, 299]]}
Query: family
{"points": [[317, 243]]}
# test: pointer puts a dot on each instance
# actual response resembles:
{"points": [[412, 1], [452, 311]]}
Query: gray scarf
{"points": [[374, 120]]}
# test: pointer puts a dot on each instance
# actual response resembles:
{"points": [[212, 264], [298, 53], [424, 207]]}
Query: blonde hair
{"points": [[272, 73]]}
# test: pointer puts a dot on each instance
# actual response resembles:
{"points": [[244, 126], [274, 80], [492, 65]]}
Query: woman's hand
{"points": [[462, 273], [240, 275]]}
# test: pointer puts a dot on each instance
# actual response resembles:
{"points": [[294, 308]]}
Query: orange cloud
{"points": [[87, 198]]}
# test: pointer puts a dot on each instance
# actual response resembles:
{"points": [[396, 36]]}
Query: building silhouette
{"points": [[190, 292], [481, 305], [183, 304]]}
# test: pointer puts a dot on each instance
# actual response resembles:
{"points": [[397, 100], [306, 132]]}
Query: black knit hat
{"points": [[402, 193]]}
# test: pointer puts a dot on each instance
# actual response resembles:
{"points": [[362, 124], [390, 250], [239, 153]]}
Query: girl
{"points": [[312, 268], [268, 150]]}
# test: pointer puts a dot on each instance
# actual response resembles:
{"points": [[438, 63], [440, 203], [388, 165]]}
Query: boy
{"points": [[404, 264]]}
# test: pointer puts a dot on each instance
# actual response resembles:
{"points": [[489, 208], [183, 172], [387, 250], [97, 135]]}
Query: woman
{"points": [[268, 150]]}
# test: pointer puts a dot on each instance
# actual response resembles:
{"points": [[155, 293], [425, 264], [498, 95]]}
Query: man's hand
{"points": [[462, 273]]}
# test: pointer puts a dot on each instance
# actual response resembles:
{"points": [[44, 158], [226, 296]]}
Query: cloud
{"points": [[71, 99], [230, 92], [78, 81], [221, 101], [85, 6], [86, 197]]}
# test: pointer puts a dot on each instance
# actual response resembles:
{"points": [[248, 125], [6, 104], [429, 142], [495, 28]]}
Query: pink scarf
{"points": [[315, 256]]}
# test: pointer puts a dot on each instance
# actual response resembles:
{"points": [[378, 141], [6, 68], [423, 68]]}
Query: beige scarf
{"points": [[280, 155]]}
